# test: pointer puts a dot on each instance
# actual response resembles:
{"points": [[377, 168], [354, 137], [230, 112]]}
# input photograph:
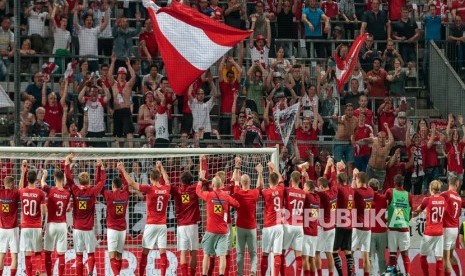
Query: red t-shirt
{"points": [[362, 132], [431, 155], [395, 9], [31, 213], [312, 203], [157, 201], [328, 203], [368, 115], [237, 131], [377, 88], [398, 168], [187, 204], [117, 206], [453, 209], [454, 157], [218, 12], [434, 206], [9, 199], [150, 43], [388, 196], [380, 206], [345, 200], [272, 133], [6, 169], [363, 201], [273, 200], [84, 198], [227, 95], [330, 9], [459, 7], [305, 136], [53, 115], [294, 199], [218, 203], [57, 203], [386, 117], [246, 213]]}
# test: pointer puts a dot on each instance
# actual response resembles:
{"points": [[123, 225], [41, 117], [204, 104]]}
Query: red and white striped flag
{"points": [[345, 68], [189, 41]]}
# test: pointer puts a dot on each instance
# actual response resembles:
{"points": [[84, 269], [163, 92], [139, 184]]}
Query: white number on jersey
{"points": [[297, 207], [29, 207], [60, 208], [277, 204], [159, 203], [436, 214]]}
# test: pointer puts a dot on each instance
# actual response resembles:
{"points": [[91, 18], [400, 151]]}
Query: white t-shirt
{"points": [[62, 39], [161, 124], [6, 38], [201, 115], [361, 84], [260, 55], [36, 22], [88, 41], [96, 115], [99, 15]]}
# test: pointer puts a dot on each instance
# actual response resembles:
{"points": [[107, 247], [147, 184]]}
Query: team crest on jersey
{"points": [[82, 205], [119, 209], [5, 208], [217, 209], [185, 199]]}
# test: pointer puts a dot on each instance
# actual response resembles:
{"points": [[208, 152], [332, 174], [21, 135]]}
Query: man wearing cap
{"points": [[122, 92], [400, 128], [260, 51], [376, 79]]}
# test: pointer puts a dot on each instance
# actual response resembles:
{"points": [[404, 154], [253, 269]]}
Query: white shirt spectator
{"points": [[260, 55], [36, 23], [161, 123], [62, 39], [201, 114], [6, 38], [99, 16], [88, 41], [96, 111]]}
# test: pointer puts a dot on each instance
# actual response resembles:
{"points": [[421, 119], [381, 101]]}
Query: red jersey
{"points": [[434, 206], [247, 212], [187, 204], [377, 88], [305, 136], [362, 132], [328, 203], [459, 8], [150, 43], [273, 200], [53, 115], [386, 117], [398, 168], [217, 13], [57, 203], [368, 115], [312, 203], [388, 196], [330, 9], [453, 209], [345, 200], [217, 209], [84, 199], [6, 169], [431, 155], [237, 131], [272, 133], [157, 202], [227, 95], [454, 157], [31, 201], [395, 9], [294, 200], [117, 205], [9, 198], [380, 206], [363, 201]]}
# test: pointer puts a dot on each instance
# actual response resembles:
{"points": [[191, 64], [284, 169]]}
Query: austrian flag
{"points": [[344, 68], [189, 41]]}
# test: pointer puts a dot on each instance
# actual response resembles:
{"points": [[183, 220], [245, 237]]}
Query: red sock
{"points": [[307, 273], [1, 271], [282, 268], [456, 269], [298, 265], [211, 267], [13, 272], [38, 261], [228, 265], [406, 261], [48, 263], [192, 272], [393, 260], [424, 265], [28, 266], [264, 265], [366, 273], [331, 273], [61, 265], [90, 263], [277, 264], [79, 265], [320, 272], [439, 267], [447, 273], [114, 266], [163, 263], [120, 265], [143, 264], [184, 270]]}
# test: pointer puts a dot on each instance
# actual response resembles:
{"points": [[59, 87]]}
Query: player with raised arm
{"points": [[33, 211], [155, 231], [56, 231], [451, 224], [272, 232], [9, 231], [312, 205], [215, 240], [433, 240], [84, 198]]}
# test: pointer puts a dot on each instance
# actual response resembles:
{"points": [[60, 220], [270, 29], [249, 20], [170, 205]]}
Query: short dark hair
{"points": [[273, 178], [186, 178], [342, 178], [163, 79], [153, 65], [31, 176], [118, 182], [398, 180], [59, 175], [323, 182], [362, 177], [104, 65], [155, 174]]}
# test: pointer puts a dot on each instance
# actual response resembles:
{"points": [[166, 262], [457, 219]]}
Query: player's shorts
{"points": [[115, 240], [309, 246], [325, 241], [272, 239], [154, 236], [343, 239], [398, 240], [215, 244], [187, 237], [9, 238], [433, 244], [293, 237], [31, 240], [56, 234], [450, 238], [361, 240], [84, 241]]}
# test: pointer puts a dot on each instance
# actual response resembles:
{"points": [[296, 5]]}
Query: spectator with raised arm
{"points": [[376, 80], [201, 110], [237, 118], [148, 47], [69, 130], [386, 115], [7, 46], [53, 108], [36, 23], [306, 132], [228, 88], [255, 84], [454, 146], [286, 11], [123, 39], [389, 55], [397, 78], [33, 91], [259, 52], [346, 125]]}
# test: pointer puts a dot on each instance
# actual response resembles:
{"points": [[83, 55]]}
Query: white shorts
{"points": [[309, 246], [56, 234], [361, 240], [293, 237], [115, 240], [450, 238], [272, 239], [398, 240], [31, 240], [433, 244], [84, 241], [325, 241], [9, 239], [154, 236], [187, 237]]}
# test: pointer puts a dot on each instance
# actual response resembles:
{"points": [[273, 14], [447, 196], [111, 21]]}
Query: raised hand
{"points": [[259, 168]]}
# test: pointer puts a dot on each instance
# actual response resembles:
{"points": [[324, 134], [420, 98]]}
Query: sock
{"points": [[307, 273], [79, 265], [61, 265], [211, 267], [366, 273], [264, 265], [192, 272], [48, 263], [439, 267], [298, 265], [90, 263], [13, 272], [350, 264], [38, 261], [456, 269], [282, 268], [393, 259], [184, 270], [1, 271], [120, 265], [114, 266], [331, 273], [320, 272], [447, 273], [163, 263], [28, 266], [424, 265], [406, 261], [338, 263], [277, 264], [228, 265], [143, 264]]}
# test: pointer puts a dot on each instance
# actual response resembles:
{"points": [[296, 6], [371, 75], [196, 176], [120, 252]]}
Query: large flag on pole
{"points": [[189, 41], [345, 68]]}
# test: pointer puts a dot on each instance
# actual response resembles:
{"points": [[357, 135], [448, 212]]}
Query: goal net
{"points": [[138, 163]]}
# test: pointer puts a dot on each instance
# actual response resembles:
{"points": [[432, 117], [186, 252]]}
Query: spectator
{"points": [[414, 177], [217, 12], [376, 79], [432, 32], [346, 125], [395, 9], [347, 12], [458, 8], [432, 164], [233, 15], [82, 77], [406, 30], [251, 134], [312, 17], [376, 22], [170, 100], [255, 87], [146, 114], [88, 36], [148, 48], [261, 19], [399, 130], [62, 41], [201, 110], [310, 100], [204, 8], [368, 54], [280, 64], [397, 79], [27, 55], [268, 125], [454, 148], [261, 49], [152, 79], [285, 23], [123, 39], [161, 121], [329, 108], [34, 91], [331, 9], [299, 74], [7, 46], [40, 128], [137, 88], [228, 88], [363, 103], [456, 35], [27, 118], [70, 130], [361, 149], [386, 115], [53, 108], [306, 133], [36, 23], [389, 55], [380, 149], [105, 38], [394, 167], [361, 76], [353, 95], [237, 118]]}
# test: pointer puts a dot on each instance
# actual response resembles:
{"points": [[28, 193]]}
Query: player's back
{"points": [[9, 199], [294, 199], [328, 203], [157, 197], [117, 205], [312, 204], [273, 200], [186, 204], [434, 206], [345, 200], [247, 212], [363, 201], [453, 209], [218, 204], [31, 200], [57, 204]]}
